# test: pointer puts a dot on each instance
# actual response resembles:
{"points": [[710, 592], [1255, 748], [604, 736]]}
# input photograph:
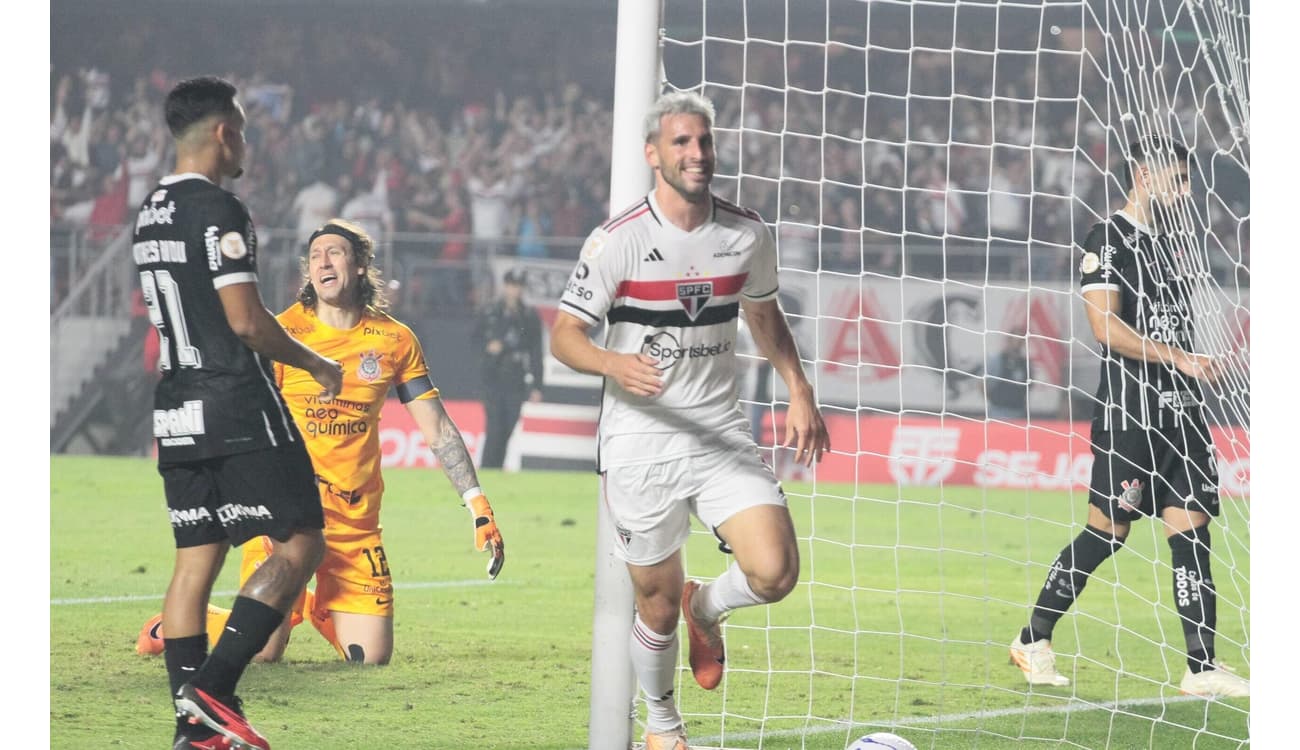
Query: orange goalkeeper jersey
{"points": [[342, 435]]}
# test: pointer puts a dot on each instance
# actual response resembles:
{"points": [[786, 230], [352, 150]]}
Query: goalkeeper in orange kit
{"points": [[340, 313]]}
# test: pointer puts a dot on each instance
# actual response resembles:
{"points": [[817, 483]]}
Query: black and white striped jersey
{"points": [[1149, 273]]}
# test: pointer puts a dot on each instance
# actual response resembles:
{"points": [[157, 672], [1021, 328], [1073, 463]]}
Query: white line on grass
{"points": [[1072, 706], [154, 597]]}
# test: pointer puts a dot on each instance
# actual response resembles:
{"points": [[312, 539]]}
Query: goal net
{"points": [[929, 170]]}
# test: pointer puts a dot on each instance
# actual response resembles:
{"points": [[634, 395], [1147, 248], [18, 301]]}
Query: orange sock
{"points": [[323, 621]]}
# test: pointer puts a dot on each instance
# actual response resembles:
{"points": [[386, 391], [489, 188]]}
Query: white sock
{"points": [[654, 660], [730, 591]]}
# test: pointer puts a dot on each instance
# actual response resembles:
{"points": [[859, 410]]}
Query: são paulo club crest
{"points": [[694, 296], [369, 369]]}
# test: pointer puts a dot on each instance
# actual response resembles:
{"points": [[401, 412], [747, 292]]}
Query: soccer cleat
{"points": [[708, 653], [150, 640], [1214, 683], [674, 740], [1038, 662], [226, 720], [1219, 664]]}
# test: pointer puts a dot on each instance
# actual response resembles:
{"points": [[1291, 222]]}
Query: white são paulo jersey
{"points": [[675, 296]]}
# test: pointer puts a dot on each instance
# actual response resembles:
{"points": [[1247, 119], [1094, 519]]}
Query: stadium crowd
{"points": [[504, 168], [933, 150]]}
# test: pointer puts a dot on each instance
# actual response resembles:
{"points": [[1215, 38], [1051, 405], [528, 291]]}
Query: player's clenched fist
{"points": [[636, 373], [486, 534]]}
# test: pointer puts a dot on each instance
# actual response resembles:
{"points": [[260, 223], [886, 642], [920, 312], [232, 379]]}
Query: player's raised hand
{"points": [[1203, 367], [486, 534], [330, 376], [636, 373], [805, 429]]}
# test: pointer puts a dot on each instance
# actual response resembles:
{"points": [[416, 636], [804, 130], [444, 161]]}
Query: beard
{"points": [[675, 181]]}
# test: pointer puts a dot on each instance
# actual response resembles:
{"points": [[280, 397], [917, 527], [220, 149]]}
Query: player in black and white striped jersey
{"points": [[1151, 443]]}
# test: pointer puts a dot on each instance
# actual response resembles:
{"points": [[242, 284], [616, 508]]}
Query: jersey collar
{"points": [[664, 222], [1134, 222], [172, 179]]}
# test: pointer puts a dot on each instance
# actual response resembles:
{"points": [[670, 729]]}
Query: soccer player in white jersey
{"points": [[669, 276]]}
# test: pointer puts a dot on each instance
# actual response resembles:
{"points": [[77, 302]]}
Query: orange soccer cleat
{"points": [[708, 654]]}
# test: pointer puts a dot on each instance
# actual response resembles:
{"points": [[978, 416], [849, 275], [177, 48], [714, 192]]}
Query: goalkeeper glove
{"points": [[486, 534]]}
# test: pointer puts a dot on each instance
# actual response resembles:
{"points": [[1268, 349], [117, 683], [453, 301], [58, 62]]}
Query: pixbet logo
{"points": [[150, 215], [923, 455]]}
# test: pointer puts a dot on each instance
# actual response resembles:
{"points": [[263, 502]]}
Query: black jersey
{"points": [[1154, 287], [216, 396]]}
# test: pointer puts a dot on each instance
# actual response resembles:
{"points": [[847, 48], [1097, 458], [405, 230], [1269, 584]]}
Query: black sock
{"points": [[183, 657], [1066, 579], [1194, 595], [247, 631]]}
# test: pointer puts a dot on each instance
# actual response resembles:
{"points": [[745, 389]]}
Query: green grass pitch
{"points": [[906, 602]]}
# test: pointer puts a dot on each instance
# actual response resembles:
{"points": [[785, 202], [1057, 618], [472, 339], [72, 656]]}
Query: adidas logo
{"points": [[653, 256]]}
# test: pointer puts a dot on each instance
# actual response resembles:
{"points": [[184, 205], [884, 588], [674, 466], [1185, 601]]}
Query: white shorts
{"points": [[652, 503]]}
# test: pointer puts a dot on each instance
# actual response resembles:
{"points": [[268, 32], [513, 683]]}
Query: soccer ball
{"points": [[881, 741]]}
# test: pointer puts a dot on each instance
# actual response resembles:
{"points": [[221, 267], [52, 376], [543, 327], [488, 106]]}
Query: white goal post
{"points": [[636, 84], [930, 169]]}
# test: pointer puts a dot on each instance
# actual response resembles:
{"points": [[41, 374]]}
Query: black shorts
{"points": [[1141, 472], [268, 492]]}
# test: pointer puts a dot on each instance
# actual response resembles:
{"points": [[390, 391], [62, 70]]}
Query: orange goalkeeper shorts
{"points": [[353, 577]]}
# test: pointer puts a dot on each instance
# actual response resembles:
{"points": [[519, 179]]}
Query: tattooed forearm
{"points": [[454, 456]]}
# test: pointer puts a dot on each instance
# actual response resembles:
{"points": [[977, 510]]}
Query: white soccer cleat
{"points": [[1214, 683], [1219, 664], [1038, 662]]}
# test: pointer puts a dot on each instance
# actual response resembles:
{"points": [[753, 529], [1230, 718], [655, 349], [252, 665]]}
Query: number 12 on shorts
{"points": [[378, 562]]}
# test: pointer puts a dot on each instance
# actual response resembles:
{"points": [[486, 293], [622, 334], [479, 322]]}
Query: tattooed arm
{"points": [[444, 439]]}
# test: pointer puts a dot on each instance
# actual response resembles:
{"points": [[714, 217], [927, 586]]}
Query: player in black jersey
{"points": [[232, 461], [1152, 452]]}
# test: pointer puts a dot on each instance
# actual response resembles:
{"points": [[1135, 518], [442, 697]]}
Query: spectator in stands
{"points": [[534, 227], [570, 218], [314, 205], [143, 158], [491, 190], [108, 213], [507, 137], [106, 150], [368, 206], [1009, 199]]}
